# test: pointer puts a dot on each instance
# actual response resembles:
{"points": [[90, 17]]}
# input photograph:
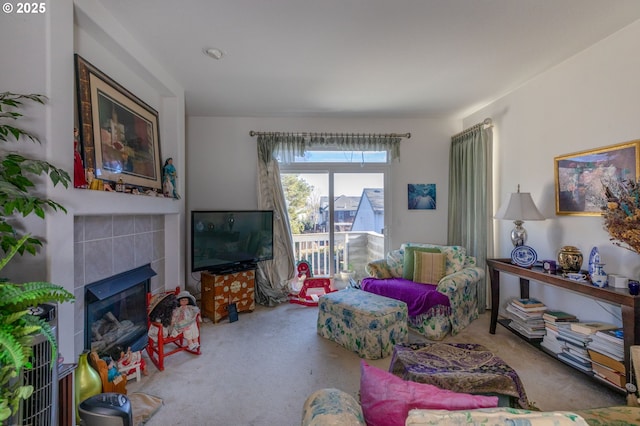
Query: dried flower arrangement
{"points": [[622, 214]]}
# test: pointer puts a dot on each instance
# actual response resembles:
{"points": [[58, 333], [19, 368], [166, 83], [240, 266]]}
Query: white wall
{"points": [[221, 171], [589, 101], [38, 58]]}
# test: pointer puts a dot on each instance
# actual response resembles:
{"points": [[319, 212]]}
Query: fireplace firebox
{"points": [[116, 312]]}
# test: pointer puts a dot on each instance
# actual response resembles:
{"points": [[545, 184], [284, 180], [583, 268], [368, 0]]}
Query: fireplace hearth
{"points": [[116, 312]]}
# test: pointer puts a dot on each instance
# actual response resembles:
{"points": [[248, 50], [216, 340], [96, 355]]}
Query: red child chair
{"points": [[161, 305]]}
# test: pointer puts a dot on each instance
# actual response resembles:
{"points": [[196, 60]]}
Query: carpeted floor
{"points": [[259, 370]]}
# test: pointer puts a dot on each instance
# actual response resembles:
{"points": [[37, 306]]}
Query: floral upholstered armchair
{"points": [[458, 281]]}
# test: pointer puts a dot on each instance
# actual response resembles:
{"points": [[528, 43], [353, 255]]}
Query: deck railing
{"points": [[353, 250]]}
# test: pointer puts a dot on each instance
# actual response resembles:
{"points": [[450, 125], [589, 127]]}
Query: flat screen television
{"points": [[230, 240]]}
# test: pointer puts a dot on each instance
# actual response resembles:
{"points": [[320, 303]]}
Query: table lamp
{"points": [[519, 208]]}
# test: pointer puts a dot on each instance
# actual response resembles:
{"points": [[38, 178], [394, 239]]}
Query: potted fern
{"points": [[18, 197]]}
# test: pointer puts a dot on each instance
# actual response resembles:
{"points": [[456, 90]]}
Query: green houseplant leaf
{"points": [[19, 197], [17, 188]]}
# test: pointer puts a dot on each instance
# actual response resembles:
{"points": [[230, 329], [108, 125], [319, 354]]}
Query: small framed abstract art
{"points": [[421, 196], [119, 132], [581, 178]]}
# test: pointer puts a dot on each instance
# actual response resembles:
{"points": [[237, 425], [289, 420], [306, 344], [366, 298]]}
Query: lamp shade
{"points": [[519, 207]]}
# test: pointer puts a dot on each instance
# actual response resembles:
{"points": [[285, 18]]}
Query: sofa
{"points": [[335, 407], [458, 278]]}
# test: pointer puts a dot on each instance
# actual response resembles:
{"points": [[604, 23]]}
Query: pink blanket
{"points": [[418, 297]]}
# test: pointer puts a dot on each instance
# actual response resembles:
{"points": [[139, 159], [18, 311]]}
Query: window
{"points": [[337, 209]]}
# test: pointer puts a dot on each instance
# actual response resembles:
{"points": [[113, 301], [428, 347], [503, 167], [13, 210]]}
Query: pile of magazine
{"points": [[526, 317], [574, 348], [606, 350], [553, 322]]}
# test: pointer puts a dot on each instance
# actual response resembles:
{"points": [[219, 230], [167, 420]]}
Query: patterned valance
{"points": [[290, 145]]}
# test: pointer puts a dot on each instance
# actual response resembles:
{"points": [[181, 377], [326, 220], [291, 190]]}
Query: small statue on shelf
{"points": [[169, 176], [79, 180]]}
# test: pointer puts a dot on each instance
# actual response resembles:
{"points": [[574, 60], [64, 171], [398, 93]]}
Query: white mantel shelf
{"points": [[88, 202]]}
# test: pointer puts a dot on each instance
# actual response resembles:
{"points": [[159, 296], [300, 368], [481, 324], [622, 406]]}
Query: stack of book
{"points": [[526, 317], [606, 350], [553, 321], [574, 348]]}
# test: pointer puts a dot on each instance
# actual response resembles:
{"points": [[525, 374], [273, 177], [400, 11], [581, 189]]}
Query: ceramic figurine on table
{"points": [[599, 276], [596, 269]]}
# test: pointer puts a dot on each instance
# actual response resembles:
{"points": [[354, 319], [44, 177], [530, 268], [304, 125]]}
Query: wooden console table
{"points": [[629, 304]]}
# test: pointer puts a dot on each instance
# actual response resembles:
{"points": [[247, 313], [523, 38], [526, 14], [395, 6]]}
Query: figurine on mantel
{"points": [[79, 180], [169, 176]]}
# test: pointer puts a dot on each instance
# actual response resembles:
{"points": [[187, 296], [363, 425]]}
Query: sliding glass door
{"points": [[337, 214]]}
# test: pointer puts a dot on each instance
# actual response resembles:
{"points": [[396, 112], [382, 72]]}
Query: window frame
{"points": [[343, 168]]}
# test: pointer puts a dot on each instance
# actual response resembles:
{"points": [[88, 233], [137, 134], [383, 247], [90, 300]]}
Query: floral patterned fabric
{"points": [[459, 286], [365, 323], [395, 262], [338, 408], [611, 416], [494, 417], [461, 289], [331, 407], [378, 269], [434, 324]]}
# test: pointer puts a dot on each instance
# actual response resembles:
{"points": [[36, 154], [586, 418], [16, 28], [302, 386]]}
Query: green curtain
{"points": [[470, 196], [273, 276]]}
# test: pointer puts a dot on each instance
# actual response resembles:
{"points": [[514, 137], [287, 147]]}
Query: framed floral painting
{"points": [[581, 178], [119, 132]]}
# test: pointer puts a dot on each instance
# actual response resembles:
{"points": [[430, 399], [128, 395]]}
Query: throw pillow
{"points": [[409, 259], [429, 267], [386, 399], [394, 262], [456, 255], [378, 269]]}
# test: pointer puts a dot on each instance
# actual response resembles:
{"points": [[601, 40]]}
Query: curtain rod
{"points": [[487, 122], [332, 135]]}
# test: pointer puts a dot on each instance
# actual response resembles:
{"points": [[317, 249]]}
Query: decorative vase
{"points": [[87, 381], [570, 259], [599, 276]]}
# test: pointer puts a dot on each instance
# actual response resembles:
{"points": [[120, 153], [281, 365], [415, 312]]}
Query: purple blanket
{"points": [[418, 297]]}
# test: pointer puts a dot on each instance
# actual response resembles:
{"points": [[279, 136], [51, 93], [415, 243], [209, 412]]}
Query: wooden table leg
{"points": [[524, 288], [494, 276]]}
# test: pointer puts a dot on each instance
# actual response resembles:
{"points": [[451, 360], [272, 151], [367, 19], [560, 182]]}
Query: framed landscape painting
{"points": [[119, 133], [582, 177]]}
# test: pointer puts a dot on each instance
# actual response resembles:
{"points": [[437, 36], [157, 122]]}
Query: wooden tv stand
{"points": [[629, 304], [221, 289]]}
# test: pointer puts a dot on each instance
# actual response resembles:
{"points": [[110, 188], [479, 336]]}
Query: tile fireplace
{"points": [[115, 312]]}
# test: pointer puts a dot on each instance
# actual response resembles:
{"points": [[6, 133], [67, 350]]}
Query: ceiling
{"points": [[362, 58]]}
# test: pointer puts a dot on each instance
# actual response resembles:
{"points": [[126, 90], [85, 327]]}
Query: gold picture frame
{"points": [[581, 177], [119, 132]]}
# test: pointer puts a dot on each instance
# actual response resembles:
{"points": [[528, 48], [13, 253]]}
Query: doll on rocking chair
{"points": [[129, 361], [184, 319]]}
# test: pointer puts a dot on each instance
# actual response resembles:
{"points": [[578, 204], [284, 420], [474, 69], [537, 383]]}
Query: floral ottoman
{"points": [[365, 323]]}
